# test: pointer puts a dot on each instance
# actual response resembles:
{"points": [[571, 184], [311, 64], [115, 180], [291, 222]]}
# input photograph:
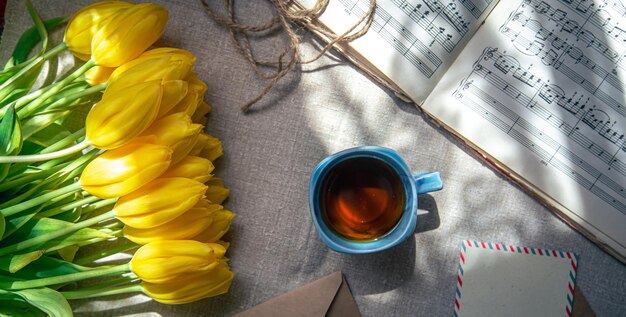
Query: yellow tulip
{"points": [[167, 64], [219, 226], [200, 115], [216, 192], [158, 202], [194, 167], [120, 171], [84, 24], [127, 34], [193, 98], [184, 227], [160, 63], [98, 75], [207, 146], [192, 287], [176, 131], [123, 114], [173, 92], [169, 260]]}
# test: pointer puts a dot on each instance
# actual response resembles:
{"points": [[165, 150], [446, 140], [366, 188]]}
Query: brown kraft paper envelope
{"points": [[329, 296]]}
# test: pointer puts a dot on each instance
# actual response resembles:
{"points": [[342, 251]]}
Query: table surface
{"points": [[270, 152]]}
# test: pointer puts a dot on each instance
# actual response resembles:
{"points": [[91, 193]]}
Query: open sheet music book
{"points": [[535, 86]]}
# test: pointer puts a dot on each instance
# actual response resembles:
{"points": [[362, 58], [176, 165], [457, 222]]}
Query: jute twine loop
{"points": [[287, 14]]}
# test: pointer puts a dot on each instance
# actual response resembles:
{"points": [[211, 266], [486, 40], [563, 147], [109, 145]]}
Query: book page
{"points": [[540, 88], [412, 42]]}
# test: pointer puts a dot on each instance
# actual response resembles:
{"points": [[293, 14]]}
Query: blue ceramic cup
{"points": [[413, 185]]}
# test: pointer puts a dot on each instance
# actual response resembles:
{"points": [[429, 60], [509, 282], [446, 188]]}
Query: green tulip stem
{"points": [[55, 234], [65, 141], [68, 99], [11, 210], [61, 209], [50, 53], [46, 156], [32, 106], [67, 278], [29, 177], [103, 291], [107, 250]]}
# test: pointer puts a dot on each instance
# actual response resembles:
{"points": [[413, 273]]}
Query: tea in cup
{"points": [[364, 199]]}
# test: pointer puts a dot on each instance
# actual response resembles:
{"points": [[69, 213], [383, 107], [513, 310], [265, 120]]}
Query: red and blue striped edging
{"points": [[517, 249]]}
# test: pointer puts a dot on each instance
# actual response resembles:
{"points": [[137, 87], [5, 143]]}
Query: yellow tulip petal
{"points": [[162, 261], [158, 202], [120, 171], [123, 114], [192, 287], [194, 167], [216, 192], [219, 226], [186, 226], [126, 35]]}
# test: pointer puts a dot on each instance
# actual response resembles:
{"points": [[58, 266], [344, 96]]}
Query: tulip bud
{"points": [[160, 63], [158, 202], [184, 227], [216, 192], [219, 226], [176, 131], [207, 146], [127, 34], [98, 75], [120, 171], [123, 114], [192, 287], [84, 24], [194, 96], [200, 115], [194, 167], [169, 260]]}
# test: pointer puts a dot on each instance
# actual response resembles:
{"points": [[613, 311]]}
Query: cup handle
{"points": [[427, 182]]}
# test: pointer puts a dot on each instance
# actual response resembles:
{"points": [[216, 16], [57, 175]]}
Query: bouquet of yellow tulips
{"points": [[111, 158]]}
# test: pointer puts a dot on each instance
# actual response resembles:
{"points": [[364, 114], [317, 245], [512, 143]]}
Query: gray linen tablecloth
{"points": [[270, 153]]}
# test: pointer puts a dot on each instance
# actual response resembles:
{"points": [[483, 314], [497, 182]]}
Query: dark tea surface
{"points": [[362, 198]]}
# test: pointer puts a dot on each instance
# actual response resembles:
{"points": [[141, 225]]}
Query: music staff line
{"points": [[551, 57], [595, 16], [572, 27], [424, 18], [594, 118], [546, 157], [548, 95], [475, 10], [383, 18], [548, 58]]}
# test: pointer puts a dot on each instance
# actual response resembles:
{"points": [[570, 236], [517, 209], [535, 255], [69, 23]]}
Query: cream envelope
{"points": [[329, 296]]}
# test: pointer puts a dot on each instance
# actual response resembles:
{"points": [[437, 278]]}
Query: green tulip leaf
{"points": [[81, 237], [15, 262], [10, 138], [47, 266], [3, 225], [15, 222], [48, 300], [37, 123], [35, 227], [20, 85], [12, 304], [49, 135], [70, 216], [7, 127], [68, 253], [29, 39]]}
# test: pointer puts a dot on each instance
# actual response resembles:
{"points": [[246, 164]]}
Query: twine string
{"points": [[287, 15]]}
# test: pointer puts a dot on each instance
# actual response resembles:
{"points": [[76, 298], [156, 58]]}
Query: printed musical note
{"points": [[502, 71]]}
